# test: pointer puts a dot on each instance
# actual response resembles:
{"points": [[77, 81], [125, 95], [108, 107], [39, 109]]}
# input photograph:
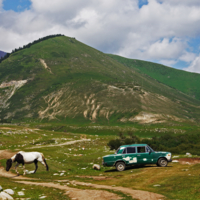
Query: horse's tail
{"points": [[47, 167]]}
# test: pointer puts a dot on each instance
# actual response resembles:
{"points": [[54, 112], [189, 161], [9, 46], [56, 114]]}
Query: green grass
{"points": [[183, 81], [33, 192], [174, 181]]}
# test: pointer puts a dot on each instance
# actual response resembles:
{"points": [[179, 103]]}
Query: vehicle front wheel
{"points": [[120, 166], [162, 162]]}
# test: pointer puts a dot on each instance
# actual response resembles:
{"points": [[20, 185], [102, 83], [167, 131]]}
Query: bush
{"points": [[114, 144], [123, 140], [178, 144]]}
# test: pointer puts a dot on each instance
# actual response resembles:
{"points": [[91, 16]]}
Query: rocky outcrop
{"points": [[11, 88]]}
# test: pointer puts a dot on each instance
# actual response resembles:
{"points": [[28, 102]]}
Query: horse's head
{"points": [[8, 164]]}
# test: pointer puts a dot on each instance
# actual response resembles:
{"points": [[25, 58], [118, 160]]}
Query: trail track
{"points": [[58, 145], [80, 194], [98, 194], [189, 161]]}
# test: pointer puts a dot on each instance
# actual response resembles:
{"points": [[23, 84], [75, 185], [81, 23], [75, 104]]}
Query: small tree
{"points": [[114, 144]]}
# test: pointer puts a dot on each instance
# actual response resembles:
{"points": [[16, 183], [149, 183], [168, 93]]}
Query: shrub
{"points": [[123, 140], [178, 144]]}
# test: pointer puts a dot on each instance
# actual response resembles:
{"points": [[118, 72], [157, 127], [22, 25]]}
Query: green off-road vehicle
{"points": [[136, 154]]}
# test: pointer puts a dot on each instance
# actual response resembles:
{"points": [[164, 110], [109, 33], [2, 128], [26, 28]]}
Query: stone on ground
{"points": [[96, 166]]}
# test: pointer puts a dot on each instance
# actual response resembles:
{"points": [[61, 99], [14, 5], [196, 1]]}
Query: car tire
{"points": [[162, 162], [120, 166]]}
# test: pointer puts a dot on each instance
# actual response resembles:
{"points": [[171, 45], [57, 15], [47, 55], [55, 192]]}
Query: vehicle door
{"points": [[129, 155], [144, 155]]}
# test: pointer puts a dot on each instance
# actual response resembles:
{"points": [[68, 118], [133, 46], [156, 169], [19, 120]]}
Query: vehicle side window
{"points": [[141, 150], [130, 149], [147, 149], [124, 152]]}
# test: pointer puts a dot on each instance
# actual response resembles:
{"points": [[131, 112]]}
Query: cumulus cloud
{"points": [[166, 49], [195, 65], [1, 4], [158, 31], [187, 57]]}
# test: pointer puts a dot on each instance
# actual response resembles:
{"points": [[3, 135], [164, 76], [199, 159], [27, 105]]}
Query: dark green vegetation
{"points": [[63, 80], [174, 143], [183, 81], [27, 46]]}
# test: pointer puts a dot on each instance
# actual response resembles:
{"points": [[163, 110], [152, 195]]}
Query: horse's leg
{"points": [[24, 169], [16, 168], [36, 166], [44, 163]]}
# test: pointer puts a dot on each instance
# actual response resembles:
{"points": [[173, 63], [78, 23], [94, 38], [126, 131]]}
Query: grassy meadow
{"points": [[181, 80], [75, 161]]}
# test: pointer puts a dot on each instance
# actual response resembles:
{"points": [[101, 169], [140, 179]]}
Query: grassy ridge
{"points": [[79, 79], [183, 81]]}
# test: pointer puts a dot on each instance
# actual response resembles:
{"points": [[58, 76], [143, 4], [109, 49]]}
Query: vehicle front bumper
{"points": [[104, 164]]}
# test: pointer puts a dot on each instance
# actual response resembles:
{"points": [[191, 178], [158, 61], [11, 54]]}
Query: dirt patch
{"points": [[98, 178], [78, 194], [189, 161], [45, 65], [7, 128], [4, 173], [5, 154], [136, 194]]}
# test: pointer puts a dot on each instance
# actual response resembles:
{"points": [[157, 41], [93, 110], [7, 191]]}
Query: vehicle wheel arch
{"points": [[162, 157], [119, 161]]}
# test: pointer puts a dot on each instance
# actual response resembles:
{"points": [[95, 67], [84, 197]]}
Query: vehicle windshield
{"points": [[117, 150], [150, 148]]}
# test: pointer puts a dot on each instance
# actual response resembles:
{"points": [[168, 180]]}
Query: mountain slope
{"points": [[183, 81], [63, 79], [2, 54]]}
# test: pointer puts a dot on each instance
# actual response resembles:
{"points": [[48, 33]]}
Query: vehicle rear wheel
{"points": [[162, 162], [120, 166]]}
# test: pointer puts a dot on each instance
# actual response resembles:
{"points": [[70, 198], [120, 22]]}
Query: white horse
{"points": [[26, 158]]}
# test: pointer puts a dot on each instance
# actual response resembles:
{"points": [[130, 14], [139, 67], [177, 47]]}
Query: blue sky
{"points": [[162, 31], [142, 3], [16, 5], [21, 5]]}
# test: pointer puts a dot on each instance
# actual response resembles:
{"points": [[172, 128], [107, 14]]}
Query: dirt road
{"points": [[82, 194]]}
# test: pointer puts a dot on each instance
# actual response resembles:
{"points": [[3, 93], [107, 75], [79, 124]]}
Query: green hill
{"points": [[183, 81], [60, 78]]}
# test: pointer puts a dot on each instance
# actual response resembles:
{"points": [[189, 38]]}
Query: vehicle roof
{"points": [[133, 145]]}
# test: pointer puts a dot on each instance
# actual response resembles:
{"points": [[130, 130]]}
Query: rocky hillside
{"points": [[61, 78]]}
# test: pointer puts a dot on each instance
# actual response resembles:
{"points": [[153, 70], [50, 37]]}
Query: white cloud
{"points": [[178, 2], [1, 4], [158, 31], [195, 65], [166, 49], [187, 57]]}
